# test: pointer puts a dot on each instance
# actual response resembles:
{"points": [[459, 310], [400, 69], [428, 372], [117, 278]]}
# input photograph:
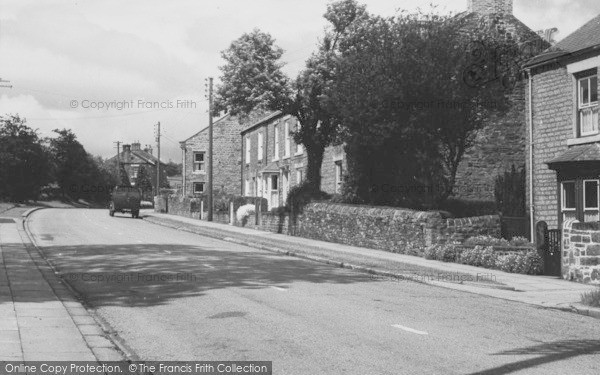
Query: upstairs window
{"points": [[199, 164], [276, 142], [260, 146], [587, 105], [248, 144], [288, 139]]}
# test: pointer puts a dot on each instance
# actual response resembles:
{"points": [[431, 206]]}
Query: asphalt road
{"points": [[173, 295]]}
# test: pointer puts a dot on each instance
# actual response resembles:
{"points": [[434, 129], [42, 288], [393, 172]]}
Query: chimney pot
{"points": [[485, 7]]}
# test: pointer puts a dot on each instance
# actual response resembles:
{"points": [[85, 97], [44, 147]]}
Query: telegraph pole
{"points": [[210, 149], [119, 161], [158, 160]]}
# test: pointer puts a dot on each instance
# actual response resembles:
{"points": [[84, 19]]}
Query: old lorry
{"points": [[125, 199]]}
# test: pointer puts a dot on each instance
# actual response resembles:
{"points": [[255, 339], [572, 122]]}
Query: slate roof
{"points": [[584, 38], [262, 120], [577, 154]]}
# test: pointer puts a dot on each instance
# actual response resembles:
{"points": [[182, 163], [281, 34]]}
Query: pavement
{"points": [[543, 291], [42, 319]]}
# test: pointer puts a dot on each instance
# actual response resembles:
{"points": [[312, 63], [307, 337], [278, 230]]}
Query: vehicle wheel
{"points": [[111, 210], [135, 214]]}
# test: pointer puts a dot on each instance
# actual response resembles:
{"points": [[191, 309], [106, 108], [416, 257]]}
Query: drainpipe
{"points": [[531, 205]]}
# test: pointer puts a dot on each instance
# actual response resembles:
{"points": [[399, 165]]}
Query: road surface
{"points": [[173, 295]]}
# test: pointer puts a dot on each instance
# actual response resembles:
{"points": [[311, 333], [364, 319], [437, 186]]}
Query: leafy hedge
{"points": [[528, 262]]}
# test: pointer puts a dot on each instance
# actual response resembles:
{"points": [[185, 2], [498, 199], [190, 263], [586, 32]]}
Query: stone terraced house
{"points": [[273, 163], [564, 177]]}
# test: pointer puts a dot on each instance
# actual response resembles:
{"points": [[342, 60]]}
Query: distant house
{"points": [[175, 182], [273, 163], [566, 129], [132, 157]]}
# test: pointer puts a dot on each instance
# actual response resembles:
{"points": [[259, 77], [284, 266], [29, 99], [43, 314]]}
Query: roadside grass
{"points": [[591, 298]]}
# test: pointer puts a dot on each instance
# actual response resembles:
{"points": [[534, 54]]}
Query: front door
{"points": [[272, 190]]}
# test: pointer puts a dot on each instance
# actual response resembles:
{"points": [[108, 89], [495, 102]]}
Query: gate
{"points": [[549, 248]]}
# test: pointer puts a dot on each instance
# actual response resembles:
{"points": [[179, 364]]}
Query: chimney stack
{"points": [[148, 149], [485, 7], [135, 146]]}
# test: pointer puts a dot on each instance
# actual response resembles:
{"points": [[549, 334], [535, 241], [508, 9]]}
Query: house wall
{"points": [[294, 163], [553, 105], [226, 154]]}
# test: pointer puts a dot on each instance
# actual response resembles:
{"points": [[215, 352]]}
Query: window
{"points": [[198, 187], [135, 169], [199, 165], [299, 176], [248, 144], [276, 140], [568, 196], [587, 105], [247, 188], [590, 194], [288, 140], [260, 146], [274, 182], [338, 177]]}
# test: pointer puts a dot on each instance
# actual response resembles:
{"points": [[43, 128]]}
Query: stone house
{"points": [[564, 163], [273, 163], [502, 142], [132, 157], [226, 155]]}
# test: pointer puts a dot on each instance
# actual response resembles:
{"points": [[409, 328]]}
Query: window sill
{"points": [[198, 172], [583, 140], [286, 157]]}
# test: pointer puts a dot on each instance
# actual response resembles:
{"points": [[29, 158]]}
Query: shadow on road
{"points": [[144, 275], [547, 353]]}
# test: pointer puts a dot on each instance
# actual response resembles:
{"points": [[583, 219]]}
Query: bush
{"points": [[479, 256], [486, 241], [301, 195], [444, 253], [528, 263], [520, 242], [243, 213], [591, 298]]}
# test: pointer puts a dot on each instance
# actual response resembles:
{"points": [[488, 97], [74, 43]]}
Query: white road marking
{"points": [[208, 265], [279, 288], [166, 251], [407, 329]]}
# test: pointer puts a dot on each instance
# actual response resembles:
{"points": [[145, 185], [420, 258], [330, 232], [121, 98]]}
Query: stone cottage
{"points": [[564, 175], [132, 157]]}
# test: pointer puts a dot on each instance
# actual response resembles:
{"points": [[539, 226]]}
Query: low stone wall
{"points": [[391, 229], [581, 251], [440, 231]]}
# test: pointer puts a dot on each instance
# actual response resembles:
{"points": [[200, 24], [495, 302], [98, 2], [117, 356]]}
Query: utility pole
{"points": [[210, 149], [118, 161], [158, 159]]}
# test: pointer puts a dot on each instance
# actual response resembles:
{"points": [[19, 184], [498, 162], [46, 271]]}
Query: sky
{"points": [[110, 70]]}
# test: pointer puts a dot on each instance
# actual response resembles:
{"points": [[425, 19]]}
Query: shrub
{"points": [[528, 263], [591, 298], [479, 256], [486, 241], [244, 212], [444, 253], [301, 195], [520, 242]]}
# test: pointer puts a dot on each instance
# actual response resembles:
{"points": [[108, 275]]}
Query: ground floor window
{"points": [[198, 187], [338, 177], [580, 199]]}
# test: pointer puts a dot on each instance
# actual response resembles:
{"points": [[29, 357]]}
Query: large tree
{"points": [[407, 115], [24, 161], [252, 79]]}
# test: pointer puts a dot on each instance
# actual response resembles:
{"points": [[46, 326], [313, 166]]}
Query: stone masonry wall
{"points": [[552, 126], [581, 252]]}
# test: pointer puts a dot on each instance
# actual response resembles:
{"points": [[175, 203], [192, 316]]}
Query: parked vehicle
{"points": [[125, 199]]}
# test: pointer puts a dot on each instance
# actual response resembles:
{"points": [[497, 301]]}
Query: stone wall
{"points": [[457, 230], [581, 251]]}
